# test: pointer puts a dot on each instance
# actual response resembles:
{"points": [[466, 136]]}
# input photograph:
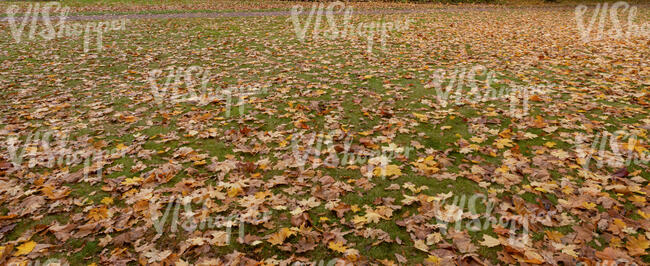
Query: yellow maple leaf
{"points": [[337, 246], [373, 217], [278, 237], [3, 250], [352, 254], [132, 181], [121, 147], [501, 143], [550, 144], [389, 170], [52, 194], [638, 245], [98, 214], [615, 242], [365, 133], [554, 235], [566, 249], [234, 191], [359, 219], [421, 117], [477, 139], [589, 205], [25, 248], [620, 223], [427, 165], [287, 232], [107, 200], [263, 194], [435, 260], [637, 199], [275, 239]]}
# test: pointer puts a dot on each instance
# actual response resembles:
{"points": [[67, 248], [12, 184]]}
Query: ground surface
{"points": [[170, 164], [182, 6]]}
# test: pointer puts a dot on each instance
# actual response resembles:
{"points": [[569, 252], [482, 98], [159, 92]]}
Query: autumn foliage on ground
{"points": [[326, 149]]}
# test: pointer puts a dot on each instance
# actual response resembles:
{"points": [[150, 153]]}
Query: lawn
{"points": [[277, 150]]}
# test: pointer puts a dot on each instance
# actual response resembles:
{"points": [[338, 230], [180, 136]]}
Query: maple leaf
{"points": [[4, 250], [560, 154], [129, 119], [637, 245], [502, 143], [427, 165], [433, 259], [359, 220], [337, 246], [566, 249], [55, 195], [121, 147], [477, 139], [276, 239], [423, 118], [279, 237], [489, 241], [263, 194], [419, 244], [373, 217], [234, 191], [98, 213], [539, 122], [132, 181], [25, 248], [220, 238], [352, 254], [107, 200], [389, 170], [554, 235], [535, 98], [155, 255], [434, 238]]}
